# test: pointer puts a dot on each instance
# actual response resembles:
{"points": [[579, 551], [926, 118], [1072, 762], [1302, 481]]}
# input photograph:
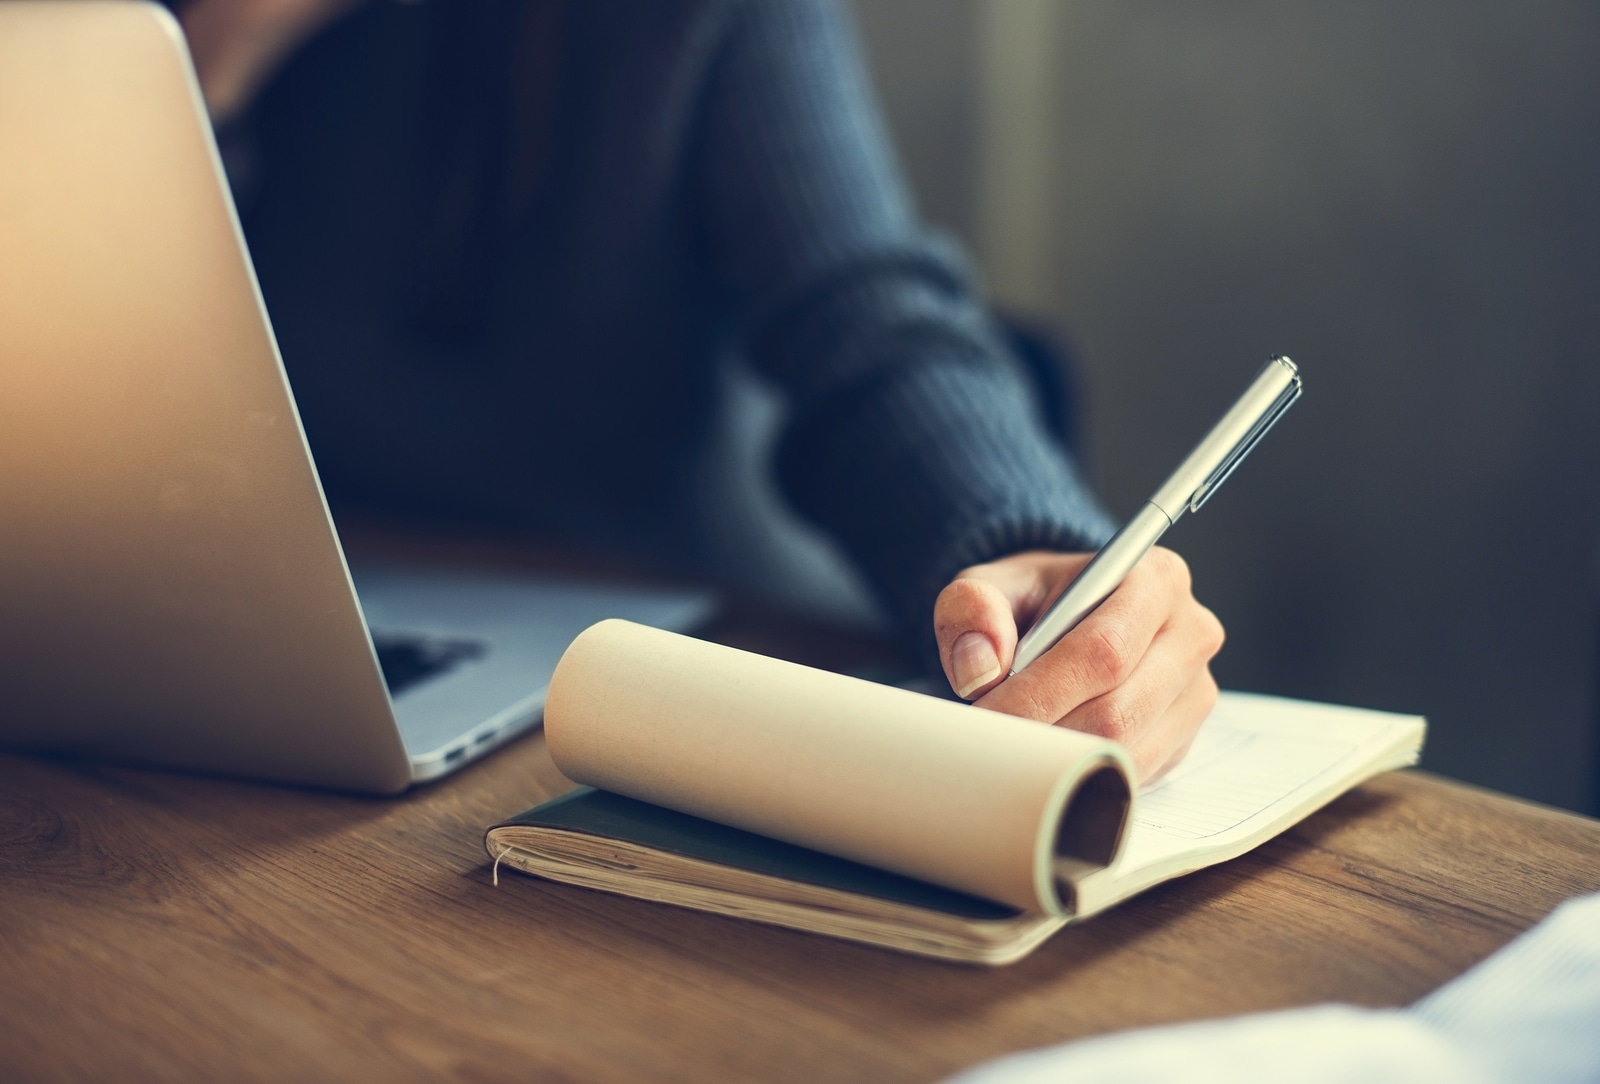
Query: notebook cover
{"points": [[612, 816]]}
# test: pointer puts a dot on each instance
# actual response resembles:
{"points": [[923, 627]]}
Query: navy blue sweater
{"points": [[506, 245]]}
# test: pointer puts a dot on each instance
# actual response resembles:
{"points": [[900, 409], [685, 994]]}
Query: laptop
{"points": [[172, 589]]}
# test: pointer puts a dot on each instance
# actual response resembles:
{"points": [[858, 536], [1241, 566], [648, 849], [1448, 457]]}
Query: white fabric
{"points": [[1529, 1014]]}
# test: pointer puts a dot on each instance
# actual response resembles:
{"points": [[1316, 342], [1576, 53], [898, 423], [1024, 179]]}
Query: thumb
{"points": [[977, 633]]}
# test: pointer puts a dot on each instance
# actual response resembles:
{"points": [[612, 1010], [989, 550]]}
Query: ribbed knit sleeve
{"points": [[913, 437]]}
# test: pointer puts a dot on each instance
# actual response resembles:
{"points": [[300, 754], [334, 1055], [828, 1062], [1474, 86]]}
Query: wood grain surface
{"points": [[162, 926]]}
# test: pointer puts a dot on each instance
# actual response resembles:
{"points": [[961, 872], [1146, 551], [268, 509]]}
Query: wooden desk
{"points": [[160, 926]]}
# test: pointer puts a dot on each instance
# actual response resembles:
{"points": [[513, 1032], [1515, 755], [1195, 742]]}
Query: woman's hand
{"points": [[1136, 670]]}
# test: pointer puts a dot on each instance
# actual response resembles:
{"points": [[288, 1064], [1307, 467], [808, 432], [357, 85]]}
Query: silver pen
{"points": [[1273, 391]]}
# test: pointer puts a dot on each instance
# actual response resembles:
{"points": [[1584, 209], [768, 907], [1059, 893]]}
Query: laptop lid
{"points": [[171, 587]]}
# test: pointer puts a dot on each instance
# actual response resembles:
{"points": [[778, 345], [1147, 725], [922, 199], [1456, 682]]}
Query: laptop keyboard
{"points": [[409, 659]]}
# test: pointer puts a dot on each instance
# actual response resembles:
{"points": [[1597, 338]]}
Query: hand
{"points": [[1136, 670]]}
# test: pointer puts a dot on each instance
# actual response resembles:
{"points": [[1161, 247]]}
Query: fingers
{"points": [[1105, 649], [1184, 717], [977, 635], [976, 617], [1156, 713], [1135, 670], [1171, 659]]}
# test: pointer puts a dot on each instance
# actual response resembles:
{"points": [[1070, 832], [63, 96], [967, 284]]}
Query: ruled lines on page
{"points": [[1254, 754], [1241, 773]]}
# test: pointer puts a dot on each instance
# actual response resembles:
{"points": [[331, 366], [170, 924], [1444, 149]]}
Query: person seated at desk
{"points": [[509, 246]]}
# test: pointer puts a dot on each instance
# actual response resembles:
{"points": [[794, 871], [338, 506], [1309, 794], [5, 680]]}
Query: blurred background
{"points": [[1403, 197]]}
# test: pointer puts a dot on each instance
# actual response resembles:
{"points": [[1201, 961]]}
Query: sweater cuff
{"points": [[939, 465]]}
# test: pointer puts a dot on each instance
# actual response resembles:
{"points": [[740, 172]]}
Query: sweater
{"points": [[506, 246]]}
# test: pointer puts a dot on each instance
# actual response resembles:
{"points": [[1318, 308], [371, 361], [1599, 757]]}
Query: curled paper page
{"points": [[971, 799]]}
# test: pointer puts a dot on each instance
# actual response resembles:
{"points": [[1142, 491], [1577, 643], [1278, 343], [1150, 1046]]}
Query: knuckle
{"points": [[1107, 655], [1113, 718], [956, 605], [1172, 567], [1210, 632]]}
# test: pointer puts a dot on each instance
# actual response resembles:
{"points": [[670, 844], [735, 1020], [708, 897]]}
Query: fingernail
{"points": [[974, 662]]}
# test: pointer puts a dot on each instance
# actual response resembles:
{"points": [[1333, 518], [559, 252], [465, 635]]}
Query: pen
{"points": [[1273, 391]]}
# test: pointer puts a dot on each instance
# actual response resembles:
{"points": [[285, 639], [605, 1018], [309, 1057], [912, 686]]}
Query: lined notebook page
{"points": [[1255, 759]]}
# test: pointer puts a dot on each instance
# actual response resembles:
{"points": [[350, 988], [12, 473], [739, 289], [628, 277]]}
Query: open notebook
{"points": [[790, 796]]}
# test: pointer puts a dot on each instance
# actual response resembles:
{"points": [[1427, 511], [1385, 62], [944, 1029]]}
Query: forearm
{"points": [[913, 436]]}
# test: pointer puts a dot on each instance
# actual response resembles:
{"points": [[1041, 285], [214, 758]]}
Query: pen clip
{"points": [[1284, 401]]}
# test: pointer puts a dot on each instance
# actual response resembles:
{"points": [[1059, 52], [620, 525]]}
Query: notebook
{"points": [[729, 782]]}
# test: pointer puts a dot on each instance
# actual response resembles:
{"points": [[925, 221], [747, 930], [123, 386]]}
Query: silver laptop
{"points": [[171, 586]]}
